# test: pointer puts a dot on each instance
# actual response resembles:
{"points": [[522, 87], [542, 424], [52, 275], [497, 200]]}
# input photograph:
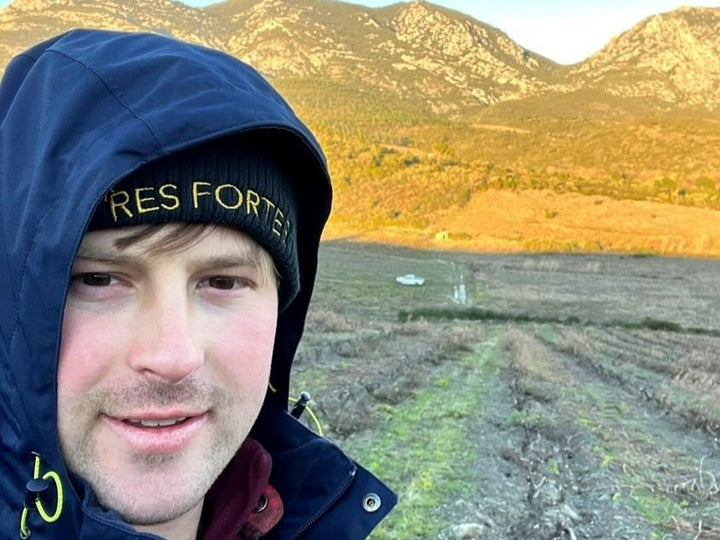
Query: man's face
{"points": [[164, 363]]}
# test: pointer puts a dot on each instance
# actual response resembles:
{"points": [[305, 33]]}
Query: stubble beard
{"points": [[82, 450]]}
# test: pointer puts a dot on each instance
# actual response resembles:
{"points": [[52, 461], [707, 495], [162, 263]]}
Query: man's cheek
{"points": [[85, 350]]}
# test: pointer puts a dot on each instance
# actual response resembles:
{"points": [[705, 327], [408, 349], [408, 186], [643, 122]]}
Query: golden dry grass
{"points": [[540, 220]]}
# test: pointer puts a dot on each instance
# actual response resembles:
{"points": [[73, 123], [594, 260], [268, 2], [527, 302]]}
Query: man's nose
{"points": [[165, 346]]}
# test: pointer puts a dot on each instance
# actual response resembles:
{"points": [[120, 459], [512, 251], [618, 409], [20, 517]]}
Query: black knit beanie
{"points": [[238, 185]]}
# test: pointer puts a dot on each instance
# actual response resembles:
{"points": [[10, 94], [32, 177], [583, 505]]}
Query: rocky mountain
{"points": [[673, 58], [25, 22], [439, 126], [440, 61], [408, 50]]}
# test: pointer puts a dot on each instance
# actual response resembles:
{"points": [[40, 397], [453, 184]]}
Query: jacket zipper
{"points": [[329, 505]]}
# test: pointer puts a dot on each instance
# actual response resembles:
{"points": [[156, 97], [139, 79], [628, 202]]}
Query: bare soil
{"points": [[585, 403]]}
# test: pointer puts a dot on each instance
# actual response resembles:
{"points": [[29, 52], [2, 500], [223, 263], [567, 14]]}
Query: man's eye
{"points": [[223, 282], [96, 280]]}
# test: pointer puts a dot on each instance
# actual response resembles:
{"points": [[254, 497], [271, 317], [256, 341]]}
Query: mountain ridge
{"points": [[428, 115], [675, 55], [449, 60]]}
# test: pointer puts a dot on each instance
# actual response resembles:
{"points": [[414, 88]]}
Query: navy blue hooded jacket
{"points": [[78, 113]]}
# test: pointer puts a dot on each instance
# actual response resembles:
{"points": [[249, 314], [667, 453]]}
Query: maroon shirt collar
{"points": [[241, 503]]}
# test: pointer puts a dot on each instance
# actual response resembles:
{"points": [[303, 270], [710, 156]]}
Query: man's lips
{"points": [[155, 423], [157, 433], [163, 416]]}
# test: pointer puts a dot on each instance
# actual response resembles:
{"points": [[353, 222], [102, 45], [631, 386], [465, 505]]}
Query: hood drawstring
{"points": [[300, 405], [34, 490]]}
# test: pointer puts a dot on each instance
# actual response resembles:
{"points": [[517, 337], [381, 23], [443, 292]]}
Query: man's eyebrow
{"points": [[103, 258], [225, 261], [218, 261]]}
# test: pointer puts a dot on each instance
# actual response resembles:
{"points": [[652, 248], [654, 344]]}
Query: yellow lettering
{"points": [[119, 199], [139, 200], [278, 222], [286, 230], [238, 196], [268, 205], [165, 195], [253, 199], [197, 193]]}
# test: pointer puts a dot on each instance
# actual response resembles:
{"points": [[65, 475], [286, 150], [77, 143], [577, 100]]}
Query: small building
{"points": [[442, 235]]}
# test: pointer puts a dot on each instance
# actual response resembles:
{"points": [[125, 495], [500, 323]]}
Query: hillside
{"points": [[432, 120], [24, 22], [672, 58], [433, 57]]}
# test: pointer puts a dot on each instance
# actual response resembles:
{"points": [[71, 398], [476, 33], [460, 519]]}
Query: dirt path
{"points": [[601, 457]]}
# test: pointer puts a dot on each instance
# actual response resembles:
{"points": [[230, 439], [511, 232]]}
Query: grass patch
{"points": [[525, 419], [658, 510], [480, 314], [548, 333], [308, 379], [419, 446], [629, 446]]}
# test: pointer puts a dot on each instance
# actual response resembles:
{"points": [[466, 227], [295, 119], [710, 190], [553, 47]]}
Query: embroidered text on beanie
{"points": [[242, 187]]}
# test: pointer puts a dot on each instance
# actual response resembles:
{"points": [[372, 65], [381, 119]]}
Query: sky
{"points": [[566, 31]]}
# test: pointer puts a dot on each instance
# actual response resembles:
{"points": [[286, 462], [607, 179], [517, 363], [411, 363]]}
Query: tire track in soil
{"points": [[536, 475], [657, 354], [619, 355], [569, 493], [540, 473], [496, 483], [551, 416], [613, 404]]}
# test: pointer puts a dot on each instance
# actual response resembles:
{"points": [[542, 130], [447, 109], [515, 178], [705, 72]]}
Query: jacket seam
{"points": [[111, 91], [51, 207], [325, 509]]}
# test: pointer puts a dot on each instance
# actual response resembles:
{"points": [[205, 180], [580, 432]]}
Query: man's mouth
{"points": [[155, 423], [158, 432]]}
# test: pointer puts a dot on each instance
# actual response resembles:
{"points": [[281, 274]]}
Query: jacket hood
{"points": [[78, 113]]}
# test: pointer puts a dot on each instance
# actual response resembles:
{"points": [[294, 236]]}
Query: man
{"points": [[160, 211]]}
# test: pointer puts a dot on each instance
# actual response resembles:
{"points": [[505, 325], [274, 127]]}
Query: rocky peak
{"points": [[674, 57], [25, 22], [442, 60], [35, 5], [455, 35], [281, 37], [416, 23]]}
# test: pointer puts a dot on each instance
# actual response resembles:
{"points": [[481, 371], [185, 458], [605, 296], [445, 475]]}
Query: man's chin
{"points": [[143, 514], [152, 498]]}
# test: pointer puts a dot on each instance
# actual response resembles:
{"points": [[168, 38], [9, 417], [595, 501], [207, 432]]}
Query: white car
{"points": [[410, 279]]}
